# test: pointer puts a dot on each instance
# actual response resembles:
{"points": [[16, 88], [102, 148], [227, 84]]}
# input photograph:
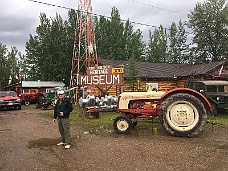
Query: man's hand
{"points": [[61, 114]]}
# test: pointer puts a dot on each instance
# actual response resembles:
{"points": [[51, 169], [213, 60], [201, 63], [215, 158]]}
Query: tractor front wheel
{"points": [[182, 115], [122, 125], [27, 102]]}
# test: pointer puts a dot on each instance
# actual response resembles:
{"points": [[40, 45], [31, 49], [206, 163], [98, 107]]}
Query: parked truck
{"points": [[182, 111], [9, 100], [216, 92]]}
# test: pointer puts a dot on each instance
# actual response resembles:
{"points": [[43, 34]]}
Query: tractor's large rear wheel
{"points": [[214, 109], [122, 125], [182, 115], [40, 98]]}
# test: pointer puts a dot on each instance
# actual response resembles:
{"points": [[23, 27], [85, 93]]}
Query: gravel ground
{"points": [[28, 142]]}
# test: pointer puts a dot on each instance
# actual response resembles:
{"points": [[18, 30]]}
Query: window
{"points": [[8, 93], [200, 88], [220, 88], [211, 88], [225, 88]]}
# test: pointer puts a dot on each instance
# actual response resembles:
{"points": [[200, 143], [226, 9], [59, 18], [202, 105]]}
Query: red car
{"points": [[9, 100]]}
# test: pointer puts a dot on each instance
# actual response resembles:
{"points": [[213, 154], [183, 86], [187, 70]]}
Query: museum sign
{"points": [[102, 75]]}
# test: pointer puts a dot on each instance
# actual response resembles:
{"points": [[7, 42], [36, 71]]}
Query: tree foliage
{"points": [[49, 52], [9, 65], [208, 21], [157, 46], [132, 75], [178, 48], [116, 39]]}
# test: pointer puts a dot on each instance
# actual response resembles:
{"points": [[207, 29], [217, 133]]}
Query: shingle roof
{"points": [[200, 69], [166, 70]]}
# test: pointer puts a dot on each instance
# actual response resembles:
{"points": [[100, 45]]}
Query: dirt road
{"points": [[28, 142]]}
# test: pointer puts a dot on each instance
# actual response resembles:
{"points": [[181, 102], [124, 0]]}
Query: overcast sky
{"points": [[19, 18]]}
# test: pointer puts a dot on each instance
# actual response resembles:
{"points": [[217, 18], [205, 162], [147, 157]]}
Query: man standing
{"points": [[62, 110]]}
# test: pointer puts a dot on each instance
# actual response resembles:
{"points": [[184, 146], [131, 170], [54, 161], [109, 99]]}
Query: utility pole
{"points": [[84, 51]]}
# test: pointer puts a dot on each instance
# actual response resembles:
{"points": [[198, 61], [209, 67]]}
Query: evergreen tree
{"points": [[157, 46], [23, 67], [103, 42], [12, 64], [49, 52], [178, 50], [4, 70], [132, 75], [134, 47], [116, 39], [9, 65]]}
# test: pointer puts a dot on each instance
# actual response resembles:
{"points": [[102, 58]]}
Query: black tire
{"points": [[134, 124], [19, 107], [27, 102], [122, 125], [40, 98], [182, 115]]}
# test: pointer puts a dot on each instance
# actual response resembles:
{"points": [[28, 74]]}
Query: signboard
{"points": [[151, 86], [99, 70], [117, 70], [101, 75]]}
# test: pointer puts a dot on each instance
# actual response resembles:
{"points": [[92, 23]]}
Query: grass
{"points": [[105, 118], [28, 107], [221, 119]]}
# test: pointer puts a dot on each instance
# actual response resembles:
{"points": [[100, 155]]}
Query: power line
{"points": [[63, 7], [44, 3], [157, 7]]}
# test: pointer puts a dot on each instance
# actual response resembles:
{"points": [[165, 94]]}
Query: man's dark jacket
{"points": [[65, 106]]}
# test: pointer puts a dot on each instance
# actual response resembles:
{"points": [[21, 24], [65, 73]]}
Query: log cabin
{"points": [[163, 76]]}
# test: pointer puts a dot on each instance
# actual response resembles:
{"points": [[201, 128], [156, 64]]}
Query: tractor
{"points": [[48, 101], [31, 96], [182, 111]]}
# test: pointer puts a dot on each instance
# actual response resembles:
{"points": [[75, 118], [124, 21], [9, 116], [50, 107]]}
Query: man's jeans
{"points": [[64, 130]]}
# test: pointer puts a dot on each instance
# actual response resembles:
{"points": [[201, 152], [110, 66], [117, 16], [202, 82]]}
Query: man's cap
{"points": [[61, 92]]}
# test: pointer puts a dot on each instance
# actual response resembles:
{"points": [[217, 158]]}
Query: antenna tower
{"points": [[84, 51]]}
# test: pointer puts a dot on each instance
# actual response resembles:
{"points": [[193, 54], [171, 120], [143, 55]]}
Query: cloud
{"points": [[19, 18]]}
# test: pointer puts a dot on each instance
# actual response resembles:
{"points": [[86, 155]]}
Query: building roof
{"points": [[42, 84], [213, 82], [166, 70]]}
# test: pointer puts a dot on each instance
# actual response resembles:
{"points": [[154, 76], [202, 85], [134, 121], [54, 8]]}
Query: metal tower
{"points": [[84, 51]]}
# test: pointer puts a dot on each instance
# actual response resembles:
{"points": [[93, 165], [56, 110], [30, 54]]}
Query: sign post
{"points": [[100, 76]]}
